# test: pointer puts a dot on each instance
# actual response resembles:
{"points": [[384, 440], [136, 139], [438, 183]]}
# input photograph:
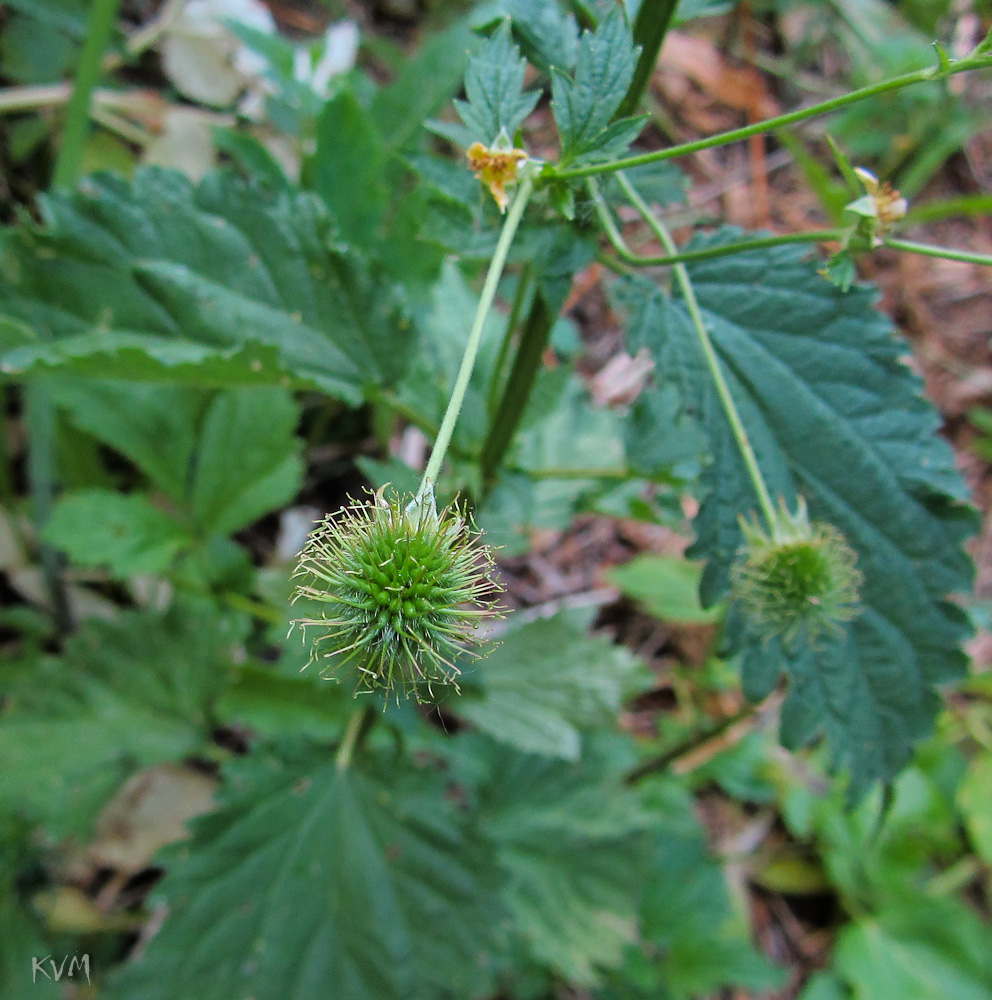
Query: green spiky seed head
{"points": [[405, 589], [796, 577]]}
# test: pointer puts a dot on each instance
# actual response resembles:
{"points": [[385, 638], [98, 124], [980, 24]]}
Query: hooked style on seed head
{"points": [[406, 589], [795, 577]]}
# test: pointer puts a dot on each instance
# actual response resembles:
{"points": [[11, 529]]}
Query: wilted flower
{"points": [[881, 200], [795, 577], [406, 588], [496, 166]]}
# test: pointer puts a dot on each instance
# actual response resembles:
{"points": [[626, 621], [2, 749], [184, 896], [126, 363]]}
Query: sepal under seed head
{"points": [[405, 588], [796, 576]]}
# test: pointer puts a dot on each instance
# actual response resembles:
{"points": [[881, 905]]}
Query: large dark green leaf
{"points": [[155, 426], [124, 532], [548, 35], [228, 270], [126, 694], [930, 951], [248, 460], [311, 881], [545, 682], [225, 459], [694, 941], [570, 839], [348, 168], [834, 416]]}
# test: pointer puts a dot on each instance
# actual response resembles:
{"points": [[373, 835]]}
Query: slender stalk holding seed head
{"points": [[709, 353], [493, 275]]}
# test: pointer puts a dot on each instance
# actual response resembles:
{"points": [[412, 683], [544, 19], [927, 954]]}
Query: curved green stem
{"points": [[475, 335], [977, 60], [691, 256], [70, 159], [944, 252], [709, 353]]}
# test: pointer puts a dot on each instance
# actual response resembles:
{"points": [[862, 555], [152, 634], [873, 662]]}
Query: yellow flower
{"points": [[496, 166]]}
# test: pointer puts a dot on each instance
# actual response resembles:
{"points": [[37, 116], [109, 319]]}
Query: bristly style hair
{"points": [[406, 589]]}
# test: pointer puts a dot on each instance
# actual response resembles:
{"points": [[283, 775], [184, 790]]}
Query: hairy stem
{"points": [[977, 60], [650, 28], [475, 335], [70, 158], [709, 353], [689, 256], [945, 252]]}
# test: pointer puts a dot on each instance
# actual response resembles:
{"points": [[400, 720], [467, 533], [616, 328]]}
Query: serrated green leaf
{"points": [[126, 694], [549, 36], [695, 941], [834, 416], [545, 682], [223, 266], [494, 84], [145, 358], [570, 451], [570, 838], [123, 532], [585, 103], [225, 460], [348, 168], [929, 950], [575, 435], [314, 881], [660, 440], [248, 459], [153, 425]]}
